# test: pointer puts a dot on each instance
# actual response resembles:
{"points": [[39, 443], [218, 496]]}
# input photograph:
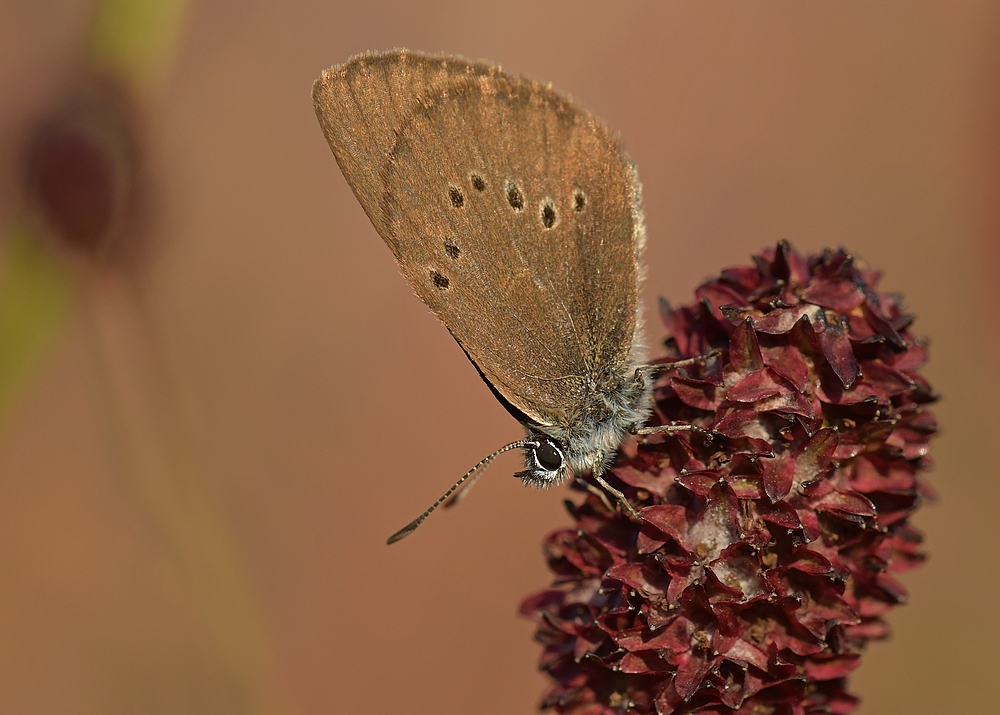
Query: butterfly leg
{"points": [[629, 509], [672, 429], [643, 371], [599, 493]]}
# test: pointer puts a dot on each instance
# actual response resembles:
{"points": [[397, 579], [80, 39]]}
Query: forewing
{"points": [[362, 103], [514, 215]]}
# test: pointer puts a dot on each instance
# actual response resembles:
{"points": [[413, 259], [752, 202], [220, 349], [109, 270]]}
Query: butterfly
{"points": [[516, 217]]}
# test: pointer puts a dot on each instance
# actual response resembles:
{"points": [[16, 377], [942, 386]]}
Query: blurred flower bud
{"points": [[82, 171]]}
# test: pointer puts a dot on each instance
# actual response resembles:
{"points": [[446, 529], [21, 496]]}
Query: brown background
{"points": [[325, 406]]}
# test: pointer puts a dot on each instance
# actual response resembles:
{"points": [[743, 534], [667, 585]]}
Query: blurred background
{"points": [[218, 397]]}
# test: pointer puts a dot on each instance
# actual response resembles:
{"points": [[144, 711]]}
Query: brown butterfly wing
{"points": [[514, 215], [362, 104]]}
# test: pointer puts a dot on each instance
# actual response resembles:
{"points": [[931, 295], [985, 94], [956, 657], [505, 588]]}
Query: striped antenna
{"points": [[412, 526]]}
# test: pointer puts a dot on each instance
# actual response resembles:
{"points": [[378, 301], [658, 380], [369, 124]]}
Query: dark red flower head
{"points": [[764, 558]]}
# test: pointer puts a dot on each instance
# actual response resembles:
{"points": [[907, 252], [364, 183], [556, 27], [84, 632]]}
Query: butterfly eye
{"points": [[548, 455]]}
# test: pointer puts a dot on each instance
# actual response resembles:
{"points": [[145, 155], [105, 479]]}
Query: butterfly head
{"points": [[545, 463], [587, 439]]}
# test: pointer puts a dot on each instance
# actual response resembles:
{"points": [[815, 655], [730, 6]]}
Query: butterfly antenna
{"points": [[412, 526], [481, 467]]}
